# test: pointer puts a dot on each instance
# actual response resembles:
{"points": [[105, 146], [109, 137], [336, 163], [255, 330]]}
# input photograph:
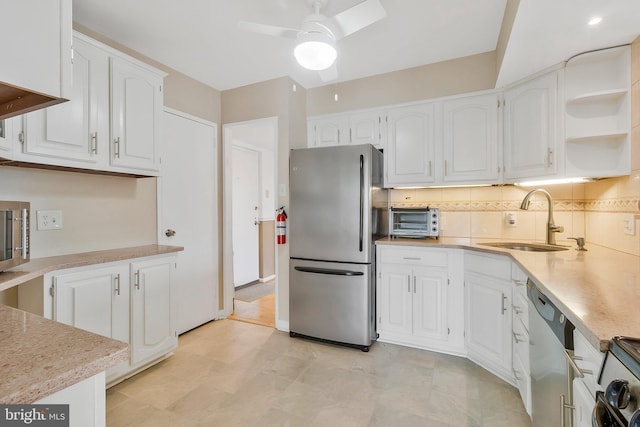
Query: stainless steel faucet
{"points": [[551, 226]]}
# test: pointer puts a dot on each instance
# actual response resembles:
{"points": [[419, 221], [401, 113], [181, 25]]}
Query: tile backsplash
{"points": [[482, 212]]}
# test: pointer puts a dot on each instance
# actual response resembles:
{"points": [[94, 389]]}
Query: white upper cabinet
{"points": [[531, 129], [78, 129], [598, 113], [6, 137], [327, 131], [367, 127], [470, 140], [410, 152], [37, 52], [136, 106], [110, 123]]}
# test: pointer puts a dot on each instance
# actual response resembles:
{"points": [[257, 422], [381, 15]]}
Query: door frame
{"points": [[227, 213]]}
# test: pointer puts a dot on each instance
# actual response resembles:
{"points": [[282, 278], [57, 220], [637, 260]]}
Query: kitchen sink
{"points": [[531, 247]]}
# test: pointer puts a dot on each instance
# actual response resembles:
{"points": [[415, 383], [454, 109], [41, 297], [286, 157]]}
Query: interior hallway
{"points": [[229, 373]]}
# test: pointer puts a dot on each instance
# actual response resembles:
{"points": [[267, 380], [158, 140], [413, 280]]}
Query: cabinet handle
{"points": [[564, 406], [517, 309], [136, 278], [414, 284], [504, 307], [574, 366], [409, 283], [116, 281], [411, 258], [116, 147], [515, 338], [519, 282], [515, 375], [550, 156], [445, 168], [350, 135], [94, 143]]}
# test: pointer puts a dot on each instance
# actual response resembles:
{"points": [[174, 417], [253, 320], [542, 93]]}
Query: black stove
{"points": [[619, 404]]}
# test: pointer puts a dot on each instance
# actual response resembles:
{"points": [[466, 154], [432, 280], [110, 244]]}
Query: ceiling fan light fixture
{"points": [[315, 51]]}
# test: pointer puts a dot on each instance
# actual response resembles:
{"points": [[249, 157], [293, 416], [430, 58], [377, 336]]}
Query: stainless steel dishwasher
{"points": [[550, 334]]}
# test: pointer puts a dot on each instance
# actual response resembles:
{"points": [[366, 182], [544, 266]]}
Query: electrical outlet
{"points": [[629, 224], [49, 220]]}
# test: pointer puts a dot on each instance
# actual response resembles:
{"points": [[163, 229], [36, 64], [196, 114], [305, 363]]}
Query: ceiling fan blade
{"points": [[270, 30], [355, 18], [329, 74]]}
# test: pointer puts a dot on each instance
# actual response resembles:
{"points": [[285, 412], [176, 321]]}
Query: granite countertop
{"points": [[598, 290], [39, 356], [40, 266]]}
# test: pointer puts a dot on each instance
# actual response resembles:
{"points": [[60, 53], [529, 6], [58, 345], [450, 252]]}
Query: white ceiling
{"points": [[200, 38]]}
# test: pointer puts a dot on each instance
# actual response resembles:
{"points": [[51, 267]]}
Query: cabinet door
{"points": [[409, 156], [73, 129], [38, 56], [470, 139], [530, 128], [136, 106], [583, 402], [152, 328], [328, 131], [430, 303], [96, 300], [394, 299], [367, 128], [488, 335]]}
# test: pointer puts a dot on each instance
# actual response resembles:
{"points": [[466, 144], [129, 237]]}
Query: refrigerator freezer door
{"points": [[331, 203], [331, 301]]}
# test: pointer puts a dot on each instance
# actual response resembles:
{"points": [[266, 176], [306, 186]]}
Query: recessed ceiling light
{"points": [[595, 20]]}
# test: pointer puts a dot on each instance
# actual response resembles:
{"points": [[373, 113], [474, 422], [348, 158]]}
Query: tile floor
{"points": [[230, 373]]}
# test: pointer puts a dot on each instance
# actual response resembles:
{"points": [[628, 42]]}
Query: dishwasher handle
{"points": [[330, 271]]}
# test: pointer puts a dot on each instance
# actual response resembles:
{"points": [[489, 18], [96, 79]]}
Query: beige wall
{"points": [[273, 98], [99, 212], [267, 261], [461, 75]]}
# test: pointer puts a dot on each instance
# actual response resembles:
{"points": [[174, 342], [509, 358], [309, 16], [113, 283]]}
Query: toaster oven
{"points": [[420, 222]]}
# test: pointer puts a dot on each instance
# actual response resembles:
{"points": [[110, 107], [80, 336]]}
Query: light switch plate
{"points": [[49, 220]]}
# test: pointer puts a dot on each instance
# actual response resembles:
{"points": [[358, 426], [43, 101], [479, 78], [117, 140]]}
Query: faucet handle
{"points": [[580, 242]]}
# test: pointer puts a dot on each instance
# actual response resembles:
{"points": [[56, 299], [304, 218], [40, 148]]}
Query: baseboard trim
{"points": [[282, 325], [267, 279]]}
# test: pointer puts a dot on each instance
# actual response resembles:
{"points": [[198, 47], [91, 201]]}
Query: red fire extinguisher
{"points": [[281, 226]]}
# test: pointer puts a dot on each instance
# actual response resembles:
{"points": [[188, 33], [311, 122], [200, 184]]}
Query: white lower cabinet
{"points": [[128, 301], [419, 298], [488, 332], [585, 384], [152, 319]]}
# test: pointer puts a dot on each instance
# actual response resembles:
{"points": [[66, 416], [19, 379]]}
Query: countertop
{"points": [[598, 290], [38, 356], [40, 266]]}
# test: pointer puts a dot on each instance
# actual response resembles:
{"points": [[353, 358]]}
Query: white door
{"points": [[189, 200], [246, 199]]}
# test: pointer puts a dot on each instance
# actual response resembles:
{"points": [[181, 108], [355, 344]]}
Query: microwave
{"points": [[14, 234], [419, 222]]}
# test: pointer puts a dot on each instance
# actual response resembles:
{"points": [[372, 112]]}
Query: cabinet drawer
{"points": [[495, 266], [589, 359], [521, 309], [414, 256], [521, 344]]}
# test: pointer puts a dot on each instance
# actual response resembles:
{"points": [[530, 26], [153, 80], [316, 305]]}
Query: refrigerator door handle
{"points": [[331, 271], [361, 231]]}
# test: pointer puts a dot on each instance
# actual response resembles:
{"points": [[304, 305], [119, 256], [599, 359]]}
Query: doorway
{"points": [[249, 247]]}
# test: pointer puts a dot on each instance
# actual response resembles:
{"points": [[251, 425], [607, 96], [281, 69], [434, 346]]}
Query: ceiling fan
{"points": [[315, 47]]}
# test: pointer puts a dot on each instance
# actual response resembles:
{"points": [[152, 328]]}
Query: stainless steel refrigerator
{"points": [[338, 208]]}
